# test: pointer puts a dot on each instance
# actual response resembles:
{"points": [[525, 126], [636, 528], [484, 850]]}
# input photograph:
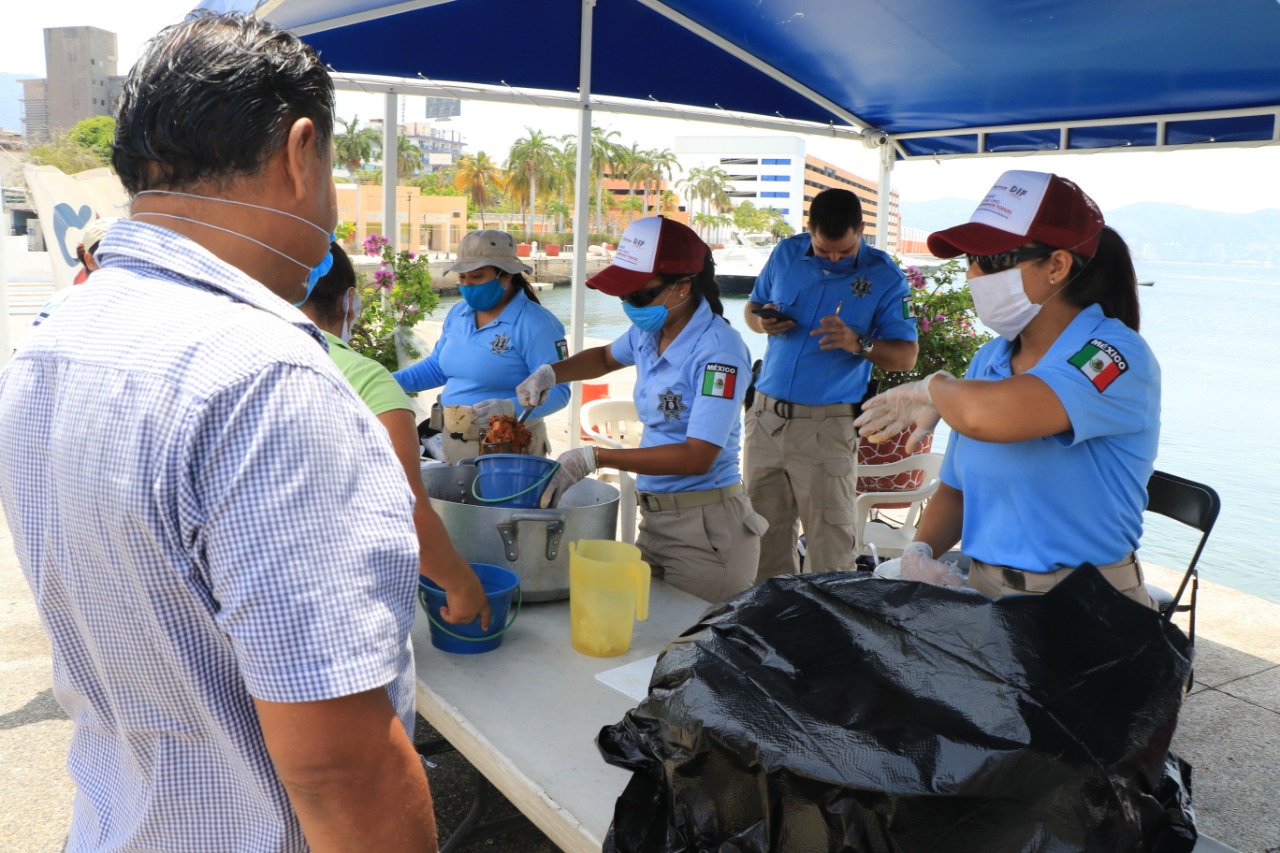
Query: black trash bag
{"points": [[846, 712]]}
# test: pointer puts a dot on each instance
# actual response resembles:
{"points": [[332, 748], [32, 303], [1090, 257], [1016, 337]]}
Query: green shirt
{"points": [[372, 381]]}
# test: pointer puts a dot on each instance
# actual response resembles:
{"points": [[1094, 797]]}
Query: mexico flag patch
{"points": [[719, 380], [908, 308], [1100, 363]]}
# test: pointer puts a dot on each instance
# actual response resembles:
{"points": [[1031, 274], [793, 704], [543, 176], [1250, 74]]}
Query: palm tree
{"points": [[667, 202], [562, 174], [478, 177], [530, 161], [354, 146], [604, 155], [409, 156], [710, 186], [660, 162]]}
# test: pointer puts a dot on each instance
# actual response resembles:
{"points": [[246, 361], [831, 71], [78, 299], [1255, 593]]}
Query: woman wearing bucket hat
{"points": [[490, 341], [1056, 423], [697, 530], [334, 306]]}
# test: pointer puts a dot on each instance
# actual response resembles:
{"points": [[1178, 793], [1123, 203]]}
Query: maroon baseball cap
{"points": [[649, 247], [1023, 207]]}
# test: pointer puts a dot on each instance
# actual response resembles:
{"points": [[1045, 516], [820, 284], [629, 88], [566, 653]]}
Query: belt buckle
{"points": [[783, 409], [644, 502]]}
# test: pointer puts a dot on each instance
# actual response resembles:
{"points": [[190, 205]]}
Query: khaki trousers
{"points": [[800, 472], [468, 446], [999, 581], [709, 551]]}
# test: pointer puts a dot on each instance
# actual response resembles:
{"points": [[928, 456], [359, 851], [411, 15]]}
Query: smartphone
{"points": [[769, 313]]}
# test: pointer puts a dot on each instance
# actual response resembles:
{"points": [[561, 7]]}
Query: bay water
{"points": [[1213, 329]]}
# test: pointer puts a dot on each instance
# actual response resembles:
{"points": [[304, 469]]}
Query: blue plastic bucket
{"points": [[511, 480], [500, 585]]}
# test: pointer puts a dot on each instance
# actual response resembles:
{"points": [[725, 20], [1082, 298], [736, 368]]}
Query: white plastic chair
{"points": [[616, 424], [887, 539]]}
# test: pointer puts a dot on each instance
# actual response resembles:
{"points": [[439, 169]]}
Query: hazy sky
{"points": [[1238, 180]]}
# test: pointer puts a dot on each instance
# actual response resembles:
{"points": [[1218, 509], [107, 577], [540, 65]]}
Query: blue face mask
{"points": [[842, 265], [316, 272], [482, 297], [650, 318]]}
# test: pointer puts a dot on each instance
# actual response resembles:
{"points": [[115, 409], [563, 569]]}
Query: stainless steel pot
{"points": [[533, 543]]}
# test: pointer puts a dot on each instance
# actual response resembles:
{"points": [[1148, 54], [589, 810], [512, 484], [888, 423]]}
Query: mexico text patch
{"points": [[718, 380], [1100, 363]]}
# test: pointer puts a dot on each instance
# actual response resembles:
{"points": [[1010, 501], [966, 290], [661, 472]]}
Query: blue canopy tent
{"points": [[915, 79]]}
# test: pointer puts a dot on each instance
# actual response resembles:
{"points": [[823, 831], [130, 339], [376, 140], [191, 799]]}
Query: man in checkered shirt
{"points": [[217, 534]]}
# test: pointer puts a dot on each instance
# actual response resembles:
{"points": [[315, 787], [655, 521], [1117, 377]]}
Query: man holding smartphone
{"points": [[832, 308]]}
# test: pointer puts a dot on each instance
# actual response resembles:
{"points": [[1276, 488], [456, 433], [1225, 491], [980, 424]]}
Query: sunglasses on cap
{"points": [[990, 264], [641, 298]]}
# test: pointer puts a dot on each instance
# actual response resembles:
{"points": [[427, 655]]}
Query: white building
{"points": [[768, 171], [776, 172]]}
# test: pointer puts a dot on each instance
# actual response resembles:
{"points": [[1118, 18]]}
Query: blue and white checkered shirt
{"points": [[205, 512]]}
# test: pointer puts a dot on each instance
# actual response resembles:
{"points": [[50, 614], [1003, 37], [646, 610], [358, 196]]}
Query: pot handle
{"points": [[509, 531]]}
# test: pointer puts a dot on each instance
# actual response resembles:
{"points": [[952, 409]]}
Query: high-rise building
{"points": [[776, 172], [80, 81]]}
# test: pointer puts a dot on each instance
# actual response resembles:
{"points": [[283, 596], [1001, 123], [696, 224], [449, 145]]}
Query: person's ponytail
{"points": [[521, 282], [1108, 279]]}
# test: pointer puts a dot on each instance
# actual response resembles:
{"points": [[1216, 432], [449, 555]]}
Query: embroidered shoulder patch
{"points": [[908, 308], [1100, 363], [562, 349], [719, 380]]}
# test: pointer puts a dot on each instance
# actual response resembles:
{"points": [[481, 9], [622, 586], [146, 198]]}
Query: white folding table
{"points": [[526, 714]]}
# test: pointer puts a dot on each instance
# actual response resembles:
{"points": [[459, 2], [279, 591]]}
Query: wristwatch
{"points": [[867, 345]]}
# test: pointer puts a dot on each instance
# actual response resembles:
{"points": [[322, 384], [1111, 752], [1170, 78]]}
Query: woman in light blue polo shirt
{"points": [[697, 531], [490, 341], [1056, 423]]}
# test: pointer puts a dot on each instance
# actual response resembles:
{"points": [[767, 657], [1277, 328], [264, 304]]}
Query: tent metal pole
{"points": [[581, 230], [884, 203], [390, 165]]}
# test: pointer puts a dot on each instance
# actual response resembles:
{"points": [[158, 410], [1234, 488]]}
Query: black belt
{"points": [[787, 410]]}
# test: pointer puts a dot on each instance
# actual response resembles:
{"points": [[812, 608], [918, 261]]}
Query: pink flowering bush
{"points": [[945, 320], [399, 298]]}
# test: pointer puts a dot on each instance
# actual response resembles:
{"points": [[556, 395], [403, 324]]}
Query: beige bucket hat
{"points": [[488, 248]]}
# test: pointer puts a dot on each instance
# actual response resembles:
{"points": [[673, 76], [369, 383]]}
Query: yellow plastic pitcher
{"points": [[608, 591]]}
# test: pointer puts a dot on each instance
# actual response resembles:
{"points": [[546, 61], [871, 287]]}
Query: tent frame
{"points": [[891, 147]]}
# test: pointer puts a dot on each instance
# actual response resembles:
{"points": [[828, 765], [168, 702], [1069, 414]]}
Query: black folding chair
{"points": [[1195, 505]]}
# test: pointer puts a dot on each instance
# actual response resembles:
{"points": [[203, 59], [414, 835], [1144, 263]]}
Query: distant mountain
{"points": [[1154, 231], [11, 99]]}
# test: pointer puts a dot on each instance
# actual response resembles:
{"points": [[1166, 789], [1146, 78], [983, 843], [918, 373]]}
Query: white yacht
{"points": [[741, 260]]}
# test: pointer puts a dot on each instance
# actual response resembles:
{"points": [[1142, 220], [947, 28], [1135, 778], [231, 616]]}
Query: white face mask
{"points": [[1001, 302], [350, 313]]}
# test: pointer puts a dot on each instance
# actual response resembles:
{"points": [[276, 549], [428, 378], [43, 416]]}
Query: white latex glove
{"points": [[533, 390], [891, 569], [885, 415], [575, 465], [486, 409], [918, 565]]}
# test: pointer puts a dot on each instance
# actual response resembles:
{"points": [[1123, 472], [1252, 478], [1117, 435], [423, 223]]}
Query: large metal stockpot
{"points": [[533, 543]]}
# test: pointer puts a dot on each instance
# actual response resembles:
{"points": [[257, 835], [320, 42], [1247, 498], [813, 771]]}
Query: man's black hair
{"points": [[213, 98], [833, 212]]}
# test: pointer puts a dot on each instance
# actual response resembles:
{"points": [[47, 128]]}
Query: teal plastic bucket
{"points": [[500, 586], [511, 480]]}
